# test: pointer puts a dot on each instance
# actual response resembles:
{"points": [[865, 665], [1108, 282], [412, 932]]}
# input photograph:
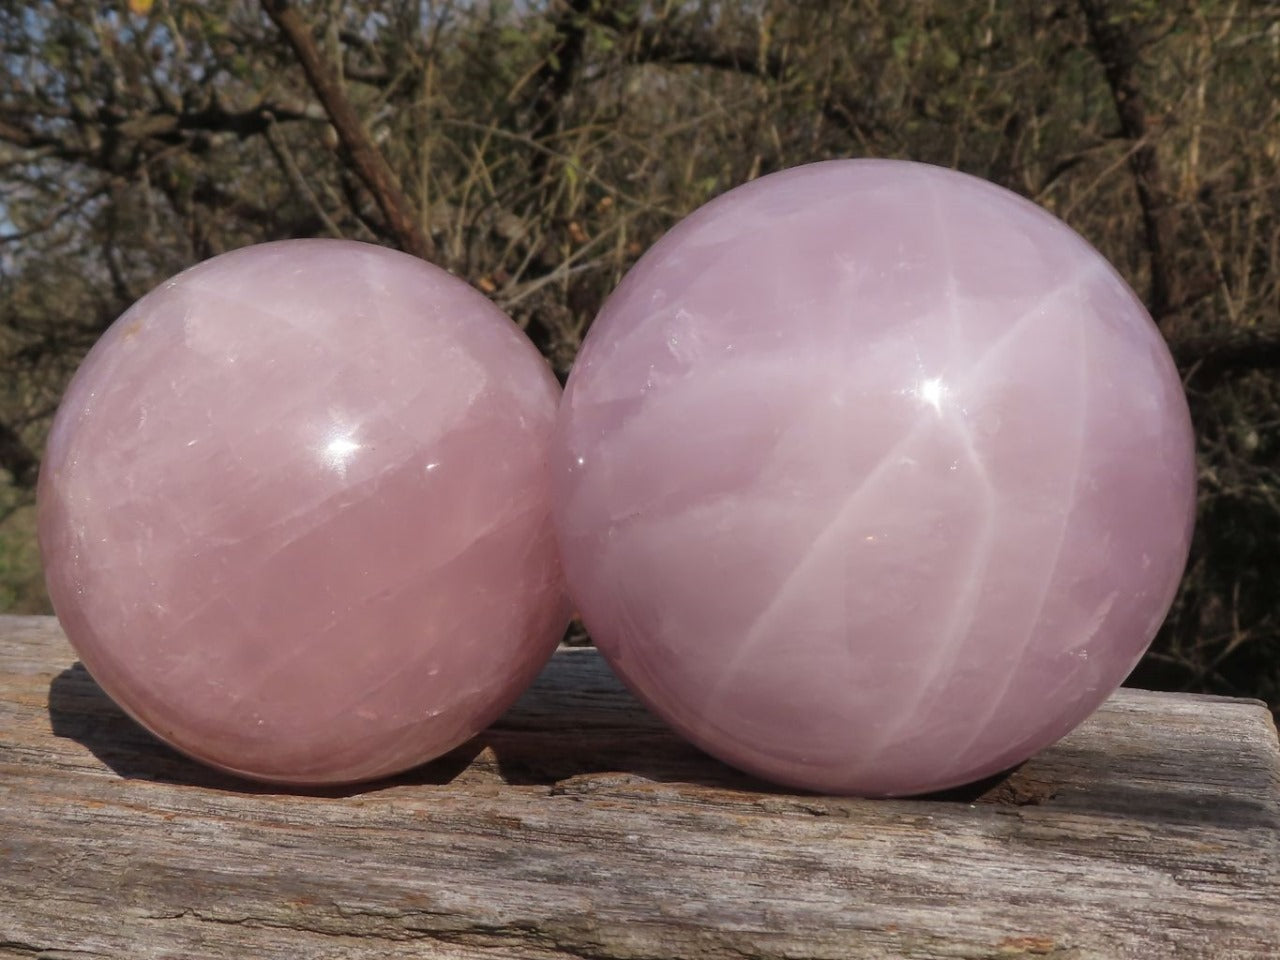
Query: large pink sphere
{"points": [[873, 478], [295, 512]]}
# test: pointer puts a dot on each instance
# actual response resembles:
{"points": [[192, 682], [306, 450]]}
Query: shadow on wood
{"points": [[80, 710], [589, 742], [579, 732]]}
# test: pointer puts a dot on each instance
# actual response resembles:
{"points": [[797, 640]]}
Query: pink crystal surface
{"points": [[295, 512], [873, 478]]}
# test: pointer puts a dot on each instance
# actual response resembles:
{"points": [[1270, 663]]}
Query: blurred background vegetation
{"points": [[537, 147]]}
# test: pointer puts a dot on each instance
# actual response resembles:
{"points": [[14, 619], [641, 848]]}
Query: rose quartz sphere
{"points": [[873, 478], [295, 512]]}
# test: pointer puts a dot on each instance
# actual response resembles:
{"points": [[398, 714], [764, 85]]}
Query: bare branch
{"points": [[1217, 351], [659, 44], [1117, 51], [369, 163], [284, 157]]}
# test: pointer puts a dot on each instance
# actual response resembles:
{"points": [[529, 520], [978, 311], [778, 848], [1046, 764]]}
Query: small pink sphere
{"points": [[873, 478], [295, 512]]}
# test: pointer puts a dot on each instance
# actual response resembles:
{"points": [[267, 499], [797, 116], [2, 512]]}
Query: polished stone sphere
{"points": [[295, 512], [873, 478]]}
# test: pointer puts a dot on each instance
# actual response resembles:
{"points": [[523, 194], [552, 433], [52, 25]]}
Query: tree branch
{"points": [[27, 138], [560, 69], [1114, 46], [675, 45], [157, 125], [656, 44], [1225, 350], [369, 163]]}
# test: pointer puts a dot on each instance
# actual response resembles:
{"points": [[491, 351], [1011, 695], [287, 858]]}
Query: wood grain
{"points": [[579, 827]]}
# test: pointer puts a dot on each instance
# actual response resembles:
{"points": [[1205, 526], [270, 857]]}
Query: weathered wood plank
{"points": [[579, 827]]}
